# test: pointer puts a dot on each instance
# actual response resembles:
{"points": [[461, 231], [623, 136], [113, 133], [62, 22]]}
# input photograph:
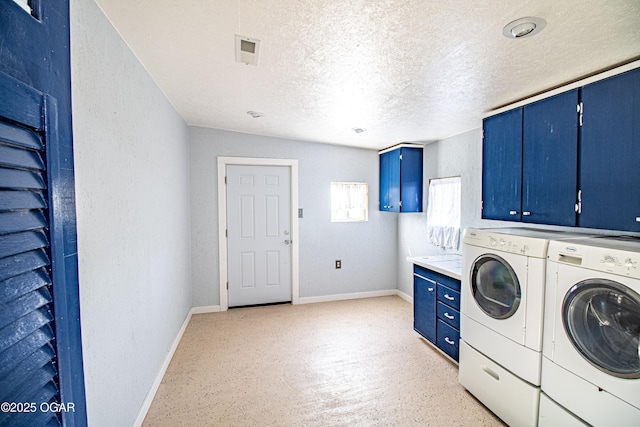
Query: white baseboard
{"points": [[205, 309], [163, 369], [404, 296], [341, 297]]}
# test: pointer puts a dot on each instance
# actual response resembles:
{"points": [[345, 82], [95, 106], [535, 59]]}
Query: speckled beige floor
{"points": [[355, 363]]}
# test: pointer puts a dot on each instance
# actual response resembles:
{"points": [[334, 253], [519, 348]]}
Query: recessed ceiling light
{"points": [[524, 27], [255, 114], [358, 130]]}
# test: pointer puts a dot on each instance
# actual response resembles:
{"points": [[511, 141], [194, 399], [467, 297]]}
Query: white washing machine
{"points": [[502, 307], [591, 344]]}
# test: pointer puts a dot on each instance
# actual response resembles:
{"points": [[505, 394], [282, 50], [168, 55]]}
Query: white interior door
{"points": [[259, 234]]}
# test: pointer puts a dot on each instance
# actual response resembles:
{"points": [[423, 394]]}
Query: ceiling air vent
{"points": [[247, 50]]}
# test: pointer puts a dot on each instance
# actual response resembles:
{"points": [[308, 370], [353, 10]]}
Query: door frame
{"points": [[292, 164]]}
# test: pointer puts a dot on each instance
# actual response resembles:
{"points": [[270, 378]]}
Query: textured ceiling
{"points": [[406, 70]]}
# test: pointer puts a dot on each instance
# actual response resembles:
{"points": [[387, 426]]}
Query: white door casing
{"points": [[266, 269]]}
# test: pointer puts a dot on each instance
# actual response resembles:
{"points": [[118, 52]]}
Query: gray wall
{"points": [[460, 155], [132, 189], [367, 249]]}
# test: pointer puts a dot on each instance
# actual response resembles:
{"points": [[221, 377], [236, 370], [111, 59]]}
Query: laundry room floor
{"points": [[355, 362]]}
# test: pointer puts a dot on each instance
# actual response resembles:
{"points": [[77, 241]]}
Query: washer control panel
{"points": [[601, 254], [622, 264]]}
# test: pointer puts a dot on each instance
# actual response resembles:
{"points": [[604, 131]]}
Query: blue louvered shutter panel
{"points": [[28, 365]]}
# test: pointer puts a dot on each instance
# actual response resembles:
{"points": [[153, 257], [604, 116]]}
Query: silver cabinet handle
{"points": [[449, 341], [449, 297], [430, 289], [513, 212], [638, 219], [448, 316], [526, 213]]}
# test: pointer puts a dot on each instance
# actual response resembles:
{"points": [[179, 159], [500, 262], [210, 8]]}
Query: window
{"points": [[349, 201], [443, 212]]}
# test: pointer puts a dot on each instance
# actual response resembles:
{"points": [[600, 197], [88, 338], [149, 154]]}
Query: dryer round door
{"points": [[495, 286], [602, 320]]}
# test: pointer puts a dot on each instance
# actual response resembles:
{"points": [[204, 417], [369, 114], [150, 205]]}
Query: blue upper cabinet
{"points": [[570, 159], [550, 160], [401, 179], [610, 153], [529, 162], [502, 166]]}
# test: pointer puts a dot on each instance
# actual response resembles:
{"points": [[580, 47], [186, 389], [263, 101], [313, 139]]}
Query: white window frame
{"points": [[444, 211], [349, 209]]}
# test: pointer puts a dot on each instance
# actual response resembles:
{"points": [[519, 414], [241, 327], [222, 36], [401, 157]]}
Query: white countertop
{"points": [[449, 265]]}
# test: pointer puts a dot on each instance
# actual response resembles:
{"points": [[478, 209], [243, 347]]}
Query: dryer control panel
{"points": [[500, 241]]}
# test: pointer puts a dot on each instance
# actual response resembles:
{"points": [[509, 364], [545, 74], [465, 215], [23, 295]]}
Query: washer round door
{"points": [[602, 320], [495, 286]]}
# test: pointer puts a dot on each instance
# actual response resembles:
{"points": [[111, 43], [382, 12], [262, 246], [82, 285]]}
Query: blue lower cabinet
{"points": [[448, 339], [436, 309], [424, 307]]}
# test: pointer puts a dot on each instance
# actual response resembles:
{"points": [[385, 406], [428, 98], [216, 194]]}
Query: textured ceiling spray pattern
{"points": [[405, 70]]}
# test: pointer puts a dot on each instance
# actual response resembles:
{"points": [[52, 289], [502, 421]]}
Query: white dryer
{"points": [[502, 307], [591, 344]]}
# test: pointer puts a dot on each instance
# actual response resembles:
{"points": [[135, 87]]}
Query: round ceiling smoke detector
{"points": [[358, 130], [524, 27]]}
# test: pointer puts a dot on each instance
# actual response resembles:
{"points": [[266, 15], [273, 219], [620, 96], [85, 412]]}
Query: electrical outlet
{"points": [[338, 264]]}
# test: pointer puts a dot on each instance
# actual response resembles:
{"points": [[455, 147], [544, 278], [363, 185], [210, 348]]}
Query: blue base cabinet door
{"points": [[424, 306], [502, 166], [610, 153]]}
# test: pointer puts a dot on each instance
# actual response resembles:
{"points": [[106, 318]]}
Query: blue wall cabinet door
{"points": [[40, 339], [502, 166], [401, 180], [610, 153], [550, 160], [411, 180], [390, 181]]}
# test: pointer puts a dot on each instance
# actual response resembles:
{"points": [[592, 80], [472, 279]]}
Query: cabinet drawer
{"points": [[448, 339], [449, 315], [450, 282], [449, 296]]}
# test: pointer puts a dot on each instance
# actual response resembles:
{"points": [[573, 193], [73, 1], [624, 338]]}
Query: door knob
{"points": [[286, 242]]}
